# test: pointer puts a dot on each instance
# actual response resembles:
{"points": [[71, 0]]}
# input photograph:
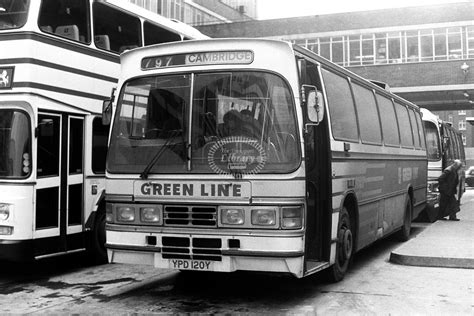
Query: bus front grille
{"points": [[191, 248], [195, 216]]}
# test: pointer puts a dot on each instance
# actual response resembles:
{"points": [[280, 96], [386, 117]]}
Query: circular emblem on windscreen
{"points": [[236, 155]]}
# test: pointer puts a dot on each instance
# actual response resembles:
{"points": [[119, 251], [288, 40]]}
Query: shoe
{"points": [[443, 219], [454, 219]]}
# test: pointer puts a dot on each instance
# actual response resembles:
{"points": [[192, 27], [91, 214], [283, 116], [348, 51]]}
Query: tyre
{"points": [[97, 250], [404, 233], [344, 248]]}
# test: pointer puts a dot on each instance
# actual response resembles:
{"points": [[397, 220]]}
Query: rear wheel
{"points": [[344, 248], [404, 233]]}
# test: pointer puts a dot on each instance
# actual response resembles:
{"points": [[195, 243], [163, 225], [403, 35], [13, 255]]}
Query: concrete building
{"points": [[199, 12], [425, 53]]}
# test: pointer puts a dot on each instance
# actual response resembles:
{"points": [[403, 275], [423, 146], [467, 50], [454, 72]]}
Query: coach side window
{"points": [[115, 30], [406, 135], [341, 107], [414, 128], [389, 121], [420, 130], [367, 113], [66, 19]]}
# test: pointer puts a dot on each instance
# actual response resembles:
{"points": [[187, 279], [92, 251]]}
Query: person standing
{"points": [[448, 183]]}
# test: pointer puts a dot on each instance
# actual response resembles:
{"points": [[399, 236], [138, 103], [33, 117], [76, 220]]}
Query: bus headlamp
{"points": [[150, 214], [5, 211], [125, 214], [232, 216], [264, 217], [292, 217], [6, 230]]}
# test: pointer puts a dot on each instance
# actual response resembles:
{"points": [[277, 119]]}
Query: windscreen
{"points": [[432, 141], [15, 144], [225, 123], [13, 13]]}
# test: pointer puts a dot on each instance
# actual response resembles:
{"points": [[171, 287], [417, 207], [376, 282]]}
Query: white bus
{"points": [[444, 145], [59, 60], [240, 154]]}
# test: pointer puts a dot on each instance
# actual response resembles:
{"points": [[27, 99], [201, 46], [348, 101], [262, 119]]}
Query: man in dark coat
{"points": [[448, 183]]}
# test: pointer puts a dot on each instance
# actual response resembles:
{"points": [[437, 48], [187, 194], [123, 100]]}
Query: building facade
{"points": [[425, 54], [200, 12]]}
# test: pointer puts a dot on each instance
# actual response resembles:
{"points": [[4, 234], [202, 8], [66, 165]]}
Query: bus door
{"points": [[58, 214], [318, 185]]}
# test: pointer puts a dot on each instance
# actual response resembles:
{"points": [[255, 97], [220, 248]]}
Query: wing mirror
{"points": [[314, 102]]}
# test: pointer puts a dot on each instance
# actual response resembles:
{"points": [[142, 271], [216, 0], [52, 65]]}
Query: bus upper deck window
{"points": [[13, 13]]}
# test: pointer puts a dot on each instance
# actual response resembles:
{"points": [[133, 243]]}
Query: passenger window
{"points": [[369, 123], [341, 107], [157, 35], [414, 127], [48, 145], [389, 121], [404, 124], [420, 130], [100, 134], [115, 30], [68, 19]]}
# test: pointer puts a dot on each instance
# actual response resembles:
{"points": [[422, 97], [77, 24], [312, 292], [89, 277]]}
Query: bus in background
{"points": [[256, 155], [443, 145], [55, 72]]}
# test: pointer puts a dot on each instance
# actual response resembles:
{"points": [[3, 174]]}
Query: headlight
{"points": [[6, 230], [264, 217], [232, 216], [4, 211], [125, 214], [150, 214], [292, 217]]}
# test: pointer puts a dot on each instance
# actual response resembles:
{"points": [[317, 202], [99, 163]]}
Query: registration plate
{"points": [[185, 264]]}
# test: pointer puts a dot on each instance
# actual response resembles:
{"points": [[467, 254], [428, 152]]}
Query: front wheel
{"points": [[97, 249], [344, 248]]}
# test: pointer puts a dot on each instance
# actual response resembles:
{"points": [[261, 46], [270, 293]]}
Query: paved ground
{"points": [[443, 243]]}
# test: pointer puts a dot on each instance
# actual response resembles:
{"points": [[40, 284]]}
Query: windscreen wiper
{"points": [[146, 171]]}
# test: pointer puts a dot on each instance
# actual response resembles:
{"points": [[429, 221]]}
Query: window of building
{"points": [[355, 57], [325, 47], [440, 44], [462, 125], [450, 118], [470, 41], [426, 45], [464, 139], [412, 45], [394, 47], [367, 49], [337, 50], [462, 112], [381, 48], [455, 43]]}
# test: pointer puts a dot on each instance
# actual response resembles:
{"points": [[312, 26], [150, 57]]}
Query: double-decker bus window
{"points": [[13, 13], [367, 114], [69, 19], [100, 134], [404, 125], [389, 121], [115, 30], [155, 34], [341, 107]]}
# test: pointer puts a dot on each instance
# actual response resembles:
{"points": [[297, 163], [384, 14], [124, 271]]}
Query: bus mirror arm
{"points": [[107, 109]]}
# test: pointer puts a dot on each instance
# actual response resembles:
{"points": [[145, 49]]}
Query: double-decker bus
{"points": [[257, 155], [444, 145], [59, 60]]}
